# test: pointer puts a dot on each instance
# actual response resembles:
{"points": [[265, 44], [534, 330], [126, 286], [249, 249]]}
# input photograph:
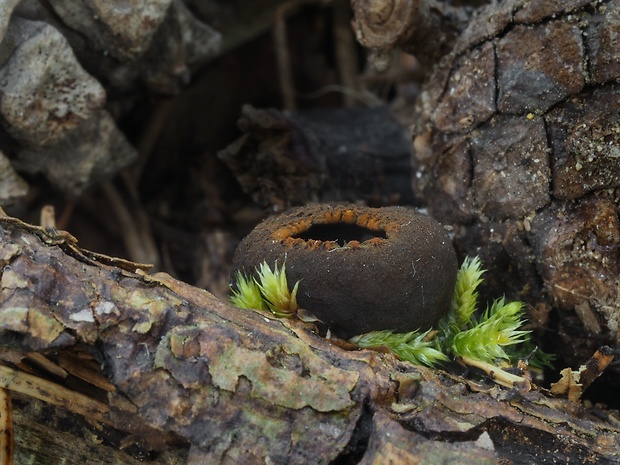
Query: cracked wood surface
{"points": [[186, 371]]}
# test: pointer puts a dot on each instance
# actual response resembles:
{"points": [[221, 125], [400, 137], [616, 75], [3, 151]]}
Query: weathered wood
{"points": [[426, 28], [45, 435], [241, 387], [325, 155]]}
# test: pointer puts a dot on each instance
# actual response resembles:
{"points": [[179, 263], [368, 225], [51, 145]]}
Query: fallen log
{"points": [[163, 372]]}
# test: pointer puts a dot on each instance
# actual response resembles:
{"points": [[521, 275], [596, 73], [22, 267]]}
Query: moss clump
{"points": [[493, 338]]}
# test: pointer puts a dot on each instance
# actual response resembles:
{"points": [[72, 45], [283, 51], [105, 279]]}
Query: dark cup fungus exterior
{"points": [[361, 269]]}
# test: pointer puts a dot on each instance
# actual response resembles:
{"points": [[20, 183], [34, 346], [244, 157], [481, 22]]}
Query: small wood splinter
{"points": [[6, 429], [573, 383], [498, 375]]}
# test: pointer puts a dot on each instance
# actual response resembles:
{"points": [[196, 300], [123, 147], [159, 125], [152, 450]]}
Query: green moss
{"points": [[494, 337], [270, 291]]}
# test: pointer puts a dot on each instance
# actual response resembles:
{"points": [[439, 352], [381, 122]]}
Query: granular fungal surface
{"points": [[361, 269]]}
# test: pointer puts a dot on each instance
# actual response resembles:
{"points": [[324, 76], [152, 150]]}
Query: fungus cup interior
{"points": [[341, 233]]}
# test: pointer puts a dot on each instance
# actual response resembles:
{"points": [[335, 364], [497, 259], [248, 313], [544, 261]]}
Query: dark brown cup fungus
{"points": [[361, 269]]}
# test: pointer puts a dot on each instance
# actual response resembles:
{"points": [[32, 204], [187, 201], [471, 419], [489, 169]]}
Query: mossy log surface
{"points": [[186, 378]]}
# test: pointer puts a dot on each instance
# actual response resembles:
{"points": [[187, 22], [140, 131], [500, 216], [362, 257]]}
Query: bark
{"points": [[167, 367], [516, 144], [425, 28], [335, 155]]}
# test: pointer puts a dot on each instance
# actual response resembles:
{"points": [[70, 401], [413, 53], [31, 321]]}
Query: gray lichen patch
{"points": [[53, 108], [123, 28], [45, 91], [92, 152], [13, 188], [5, 15]]}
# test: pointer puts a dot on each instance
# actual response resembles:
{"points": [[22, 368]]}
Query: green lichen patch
{"points": [[146, 309], [318, 385], [12, 280], [14, 319], [42, 326]]}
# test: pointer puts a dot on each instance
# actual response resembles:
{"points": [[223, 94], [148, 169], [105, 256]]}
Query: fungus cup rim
{"points": [[402, 280]]}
